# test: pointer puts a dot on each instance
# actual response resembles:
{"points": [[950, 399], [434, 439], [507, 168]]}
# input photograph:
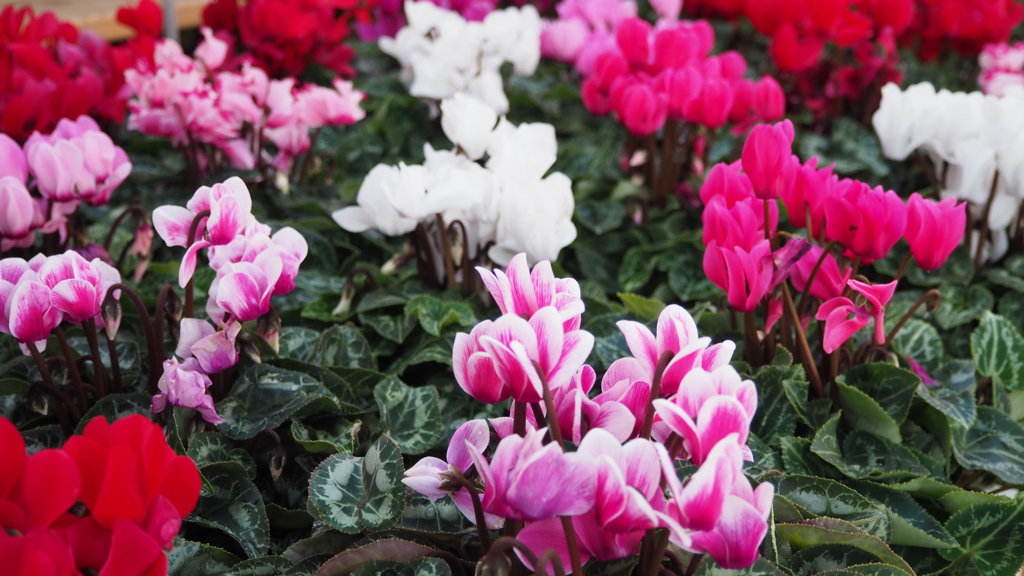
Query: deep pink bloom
{"points": [[185, 385], [843, 318], [916, 368], [828, 282], [634, 39], [709, 407], [78, 286], [642, 109], [934, 229], [867, 221], [808, 195], [680, 86], [286, 245], [769, 100], [740, 225], [728, 181], [527, 480], [745, 275], [244, 288], [711, 109], [518, 291], [768, 159], [577, 413]]}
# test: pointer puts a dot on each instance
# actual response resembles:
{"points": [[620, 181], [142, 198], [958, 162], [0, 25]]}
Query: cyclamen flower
{"points": [[520, 292], [843, 318], [934, 229], [185, 385], [501, 359], [428, 476], [746, 275], [527, 480], [213, 349], [578, 414], [867, 221], [78, 286], [768, 159]]}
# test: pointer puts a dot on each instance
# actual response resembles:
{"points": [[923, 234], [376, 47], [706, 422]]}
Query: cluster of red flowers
{"points": [[654, 75], [285, 36], [109, 502], [49, 70], [966, 25]]}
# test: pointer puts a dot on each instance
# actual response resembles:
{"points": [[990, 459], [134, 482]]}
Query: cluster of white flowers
{"points": [[976, 141], [506, 204], [442, 54]]}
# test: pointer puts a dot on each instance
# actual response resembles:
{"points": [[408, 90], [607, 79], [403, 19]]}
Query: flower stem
{"points": [[574, 550], [984, 222], [115, 365], [446, 251], [519, 418], [478, 511], [750, 338], [98, 369], [932, 297], [156, 349], [659, 373], [190, 287], [801, 339], [72, 367], [806, 294]]}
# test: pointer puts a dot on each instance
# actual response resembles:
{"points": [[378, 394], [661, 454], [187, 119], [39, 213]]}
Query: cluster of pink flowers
{"points": [[584, 30], [217, 114], [251, 265], [676, 386], [76, 163], [133, 488], [37, 295], [655, 73], [1002, 66], [865, 223]]}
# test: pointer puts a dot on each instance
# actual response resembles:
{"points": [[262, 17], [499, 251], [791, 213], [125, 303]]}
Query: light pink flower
{"points": [[518, 291], [183, 385], [17, 209], [78, 286], [213, 349], [12, 160], [243, 289]]}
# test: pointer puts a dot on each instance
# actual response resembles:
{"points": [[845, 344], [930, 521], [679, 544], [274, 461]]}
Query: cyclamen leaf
{"points": [[210, 447], [196, 559], [991, 538], [760, 567], [961, 305], [832, 531], [389, 549], [355, 494], [266, 566], [998, 351], [410, 416], [911, 524], [265, 396], [919, 340], [995, 443], [434, 313], [864, 413], [953, 393], [891, 387], [644, 308], [230, 502], [343, 346], [831, 499]]}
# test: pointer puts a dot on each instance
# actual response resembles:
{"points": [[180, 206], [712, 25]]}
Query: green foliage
{"points": [[355, 494]]}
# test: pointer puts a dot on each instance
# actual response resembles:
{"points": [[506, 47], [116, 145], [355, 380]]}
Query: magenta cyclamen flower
{"points": [[709, 407], [768, 159], [745, 275], [578, 414], [828, 282], [867, 221], [718, 512], [502, 358], [843, 318], [25, 308], [518, 291], [934, 229], [527, 480]]}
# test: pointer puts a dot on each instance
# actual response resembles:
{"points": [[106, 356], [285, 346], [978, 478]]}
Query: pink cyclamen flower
{"points": [[184, 385], [287, 244], [676, 338], [518, 290], [578, 414], [27, 313], [680, 86], [739, 225], [769, 100], [916, 368], [642, 109], [829, 281], [711, 109], [745, 275], [934, 229], [627, 501], [709, 407], [213, 349], [768, 159], [867, 221], [720, 496], [12, 160], [316, 106], [808, 195], [843, 318], [428, 476], [243, 289], [527, 480], [17, 209], [563, 39], [78, 286], [502, 358], [729, 182]]}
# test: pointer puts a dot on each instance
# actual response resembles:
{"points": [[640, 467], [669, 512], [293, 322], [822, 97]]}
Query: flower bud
{"points": [[111, 314]]}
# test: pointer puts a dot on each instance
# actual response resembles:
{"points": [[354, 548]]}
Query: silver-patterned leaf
{"points": [[188, 558], [410, 416], [210, 447], [265, 396], [230, 502], [355, 494], [343, 346], [116, 406], [383, 490]]}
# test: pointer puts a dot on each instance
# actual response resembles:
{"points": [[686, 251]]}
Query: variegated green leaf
{"points": [[995, 443], [195, 559], [355, 494], [998, 351], [265, 396], [230, 502], [117, 406], [410, 416], [210, 447], [991, 538], [344, 346]]}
